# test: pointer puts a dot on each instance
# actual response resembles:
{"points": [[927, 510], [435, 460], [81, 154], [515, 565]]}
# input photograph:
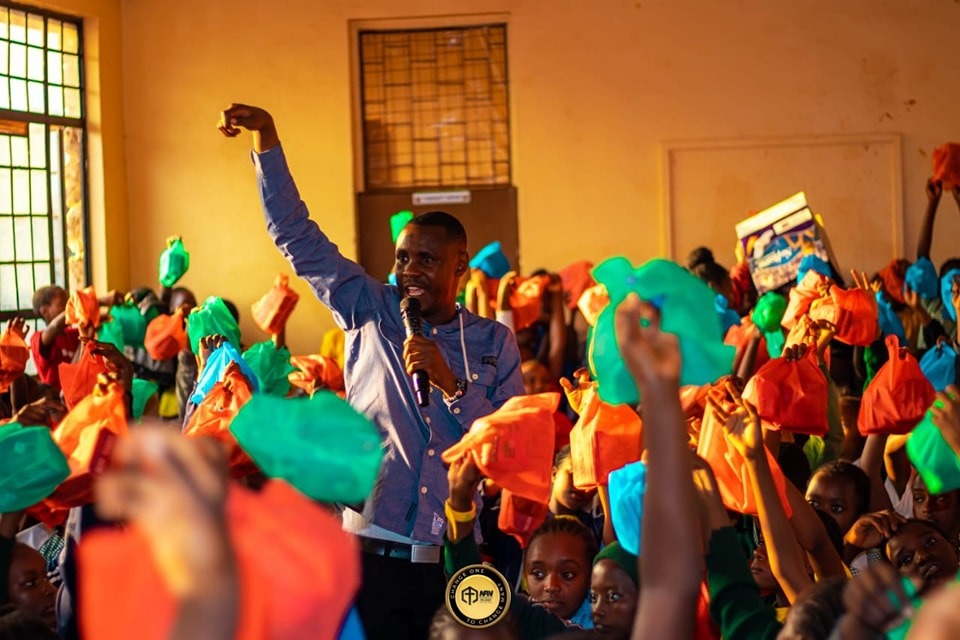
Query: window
{"points": [[43, 222], [434, 107]]}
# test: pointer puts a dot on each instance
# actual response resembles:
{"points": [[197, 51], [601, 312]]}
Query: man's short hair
{"points": [[44, 296], [453, 228]]}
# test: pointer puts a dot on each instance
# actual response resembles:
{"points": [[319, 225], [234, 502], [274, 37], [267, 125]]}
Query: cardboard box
{"points": [[776, 239]]}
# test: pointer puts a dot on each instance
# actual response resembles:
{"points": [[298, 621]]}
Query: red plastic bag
{"points": [[272, 310], [729, 466], [513, 446], [802, 296], [739, 336], [85, 436], [298, 573], [575, 279], [791, 396], [520, 517], [78, 379], [526, 301], [854, 312], [14, 354], [899, 395], [946, 165], [605, 438], [316, 372], [83, 308], [213, 416], [166, 336]]}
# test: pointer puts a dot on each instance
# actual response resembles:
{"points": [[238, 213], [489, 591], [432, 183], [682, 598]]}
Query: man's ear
{"points": [[463, 262]]}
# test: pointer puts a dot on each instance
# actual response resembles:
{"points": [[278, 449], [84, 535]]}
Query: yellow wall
{"points": [[596, 87], [107, 184]]}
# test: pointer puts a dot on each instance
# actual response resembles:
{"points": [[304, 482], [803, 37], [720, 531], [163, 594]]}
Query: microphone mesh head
{"points": [[409, 305]]}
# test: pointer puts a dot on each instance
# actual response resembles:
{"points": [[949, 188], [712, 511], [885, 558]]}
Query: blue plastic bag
{"points": [[939, 365], [627, 486], [815, 263], [922, 278], [890, 323], [946, 293], [728, 317], [213, 371], [492, 261]]}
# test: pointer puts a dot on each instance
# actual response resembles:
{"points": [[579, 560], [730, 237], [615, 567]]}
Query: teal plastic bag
{"points": [[320, 445], [686, 307], [890, 323], [212, 318], [214, 369], [271, 366], [946, 293], [728, 317], [142, 390], [921, 277], [492, 261], [131, 321], [33, 466], [397, 222], [767, 316], [939, 365], [112, 333], [174, 262], [627, 486], [932, 457], [815, 263]]}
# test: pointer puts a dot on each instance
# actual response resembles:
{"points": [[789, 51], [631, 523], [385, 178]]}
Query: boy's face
{"points": [[943, 509], [613, 599], [29, 589], [565, 493], [57, 306], [916, 550], [761, 572], [536, 378], [835, 496]]}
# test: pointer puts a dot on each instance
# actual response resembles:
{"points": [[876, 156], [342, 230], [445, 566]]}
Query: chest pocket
{"points": [[483, 376]]}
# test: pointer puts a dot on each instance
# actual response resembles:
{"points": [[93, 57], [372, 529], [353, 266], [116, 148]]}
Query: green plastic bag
{"points": [[320, 445], [271, 366], [174, 262], [932, 457], [131, 321], [397, 222], [767, 316], [142, 390], [33, 466], [112, 333], [212, 318], [686, 307]]}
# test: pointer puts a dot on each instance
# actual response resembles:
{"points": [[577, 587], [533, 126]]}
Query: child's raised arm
{"points": [[934, 191], [672, 568]]}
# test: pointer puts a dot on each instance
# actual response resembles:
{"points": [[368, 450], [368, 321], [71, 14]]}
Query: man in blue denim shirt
{"points": [[473, 364]]}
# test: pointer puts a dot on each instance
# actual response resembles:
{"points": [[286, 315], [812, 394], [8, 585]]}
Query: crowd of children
{"points": [[677, 468]]}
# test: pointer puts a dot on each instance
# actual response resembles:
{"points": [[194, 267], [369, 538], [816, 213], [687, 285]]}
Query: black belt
{"points": [[415, 553]]}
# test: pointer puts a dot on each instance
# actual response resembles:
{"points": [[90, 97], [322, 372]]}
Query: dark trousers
{"points": [[397, 598]]}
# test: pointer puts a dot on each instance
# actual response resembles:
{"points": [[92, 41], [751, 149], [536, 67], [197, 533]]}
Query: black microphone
{"points": [[410, 312]]}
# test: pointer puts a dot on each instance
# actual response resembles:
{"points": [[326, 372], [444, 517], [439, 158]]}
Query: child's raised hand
{"points": [[861, 281], [872, 529], [741, 427], [577, 388], [18, 326], [118, 363], [652, 356], [508, 284], [208, 344], [875, 598], [463, 477]]}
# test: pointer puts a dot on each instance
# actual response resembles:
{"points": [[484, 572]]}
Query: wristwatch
{"points": [[461, 390]]}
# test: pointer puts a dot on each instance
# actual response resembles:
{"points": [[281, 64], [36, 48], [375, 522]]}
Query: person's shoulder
{"points": [[475, 323]]}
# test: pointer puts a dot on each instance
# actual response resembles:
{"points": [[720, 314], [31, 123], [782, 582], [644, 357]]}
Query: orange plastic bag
{"points": [[213, 416], [14, 354], [272, 310], [739, 336], [575, 279], [605, 438], [854, 312], [316, 372], [946, 165], [592, 302], [526, 301], [520, 517], [513, 446], [899, 395], [83, 308], [78, 379], [83, 442], [791, 396], [802, 296], [298, 573], [165, 336], [729, 466]]}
